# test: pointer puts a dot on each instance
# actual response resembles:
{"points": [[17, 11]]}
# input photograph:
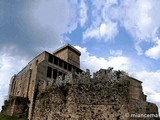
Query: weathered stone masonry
{"points": [[52, 86]]}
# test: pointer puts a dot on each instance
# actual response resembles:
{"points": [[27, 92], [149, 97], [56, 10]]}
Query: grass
{"points": [[6, 117]]}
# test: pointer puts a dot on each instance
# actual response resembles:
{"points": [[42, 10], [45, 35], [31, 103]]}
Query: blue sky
{"points": [[124, 34]]}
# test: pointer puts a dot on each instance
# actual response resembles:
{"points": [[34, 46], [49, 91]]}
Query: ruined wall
{"points": [[85, 101], [109, 95], [106, 96], [16, 106]]}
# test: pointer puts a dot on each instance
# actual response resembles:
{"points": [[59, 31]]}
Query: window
{"points": [[60, 63], [59, 73], [69, 67], [65, 65], [56, 60], [77, 70], [49, 72], [50, 58], [36, 62], [54, 73]]}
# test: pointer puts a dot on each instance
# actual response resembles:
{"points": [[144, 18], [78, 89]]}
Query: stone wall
{"points": [[73, 58], [106, 96], [16, 106], [69, 54]]}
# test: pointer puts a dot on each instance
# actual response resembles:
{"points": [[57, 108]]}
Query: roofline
{"points": [[65, 46]]}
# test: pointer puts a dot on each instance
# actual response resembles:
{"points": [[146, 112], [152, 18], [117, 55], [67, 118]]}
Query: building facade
{"points": [[42, 71]]}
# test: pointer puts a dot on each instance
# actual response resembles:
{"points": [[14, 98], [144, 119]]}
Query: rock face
{"points": [[53, 87]]}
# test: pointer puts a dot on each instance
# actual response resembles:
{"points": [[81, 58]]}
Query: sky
{"points": [[124, 34]]}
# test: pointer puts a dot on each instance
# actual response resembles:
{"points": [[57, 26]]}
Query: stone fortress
{"points": [[53, 87]]}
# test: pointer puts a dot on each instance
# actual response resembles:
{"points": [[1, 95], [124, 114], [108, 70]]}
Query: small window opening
{"points": [[55, 60], [60, 73], [50, 58], [54, 73], [65, 65], [36, 62], [77, 70], [60, 63], [49, 72], [69, 67]]}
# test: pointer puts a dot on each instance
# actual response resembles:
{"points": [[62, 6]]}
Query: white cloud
{"points": [[105, 31], [116, 52], [9, 66], [101, 27], [154, 52], [112, 1], [139, 17], [151, 83], [58, 17], [138, 48], [83, 13], [95, 63]]}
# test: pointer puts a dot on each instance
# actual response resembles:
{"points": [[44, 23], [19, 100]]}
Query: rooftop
{"points": [[67, 46]]}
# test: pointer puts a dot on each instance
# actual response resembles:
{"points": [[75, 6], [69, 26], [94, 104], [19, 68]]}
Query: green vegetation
{"points": [[5, 117]]}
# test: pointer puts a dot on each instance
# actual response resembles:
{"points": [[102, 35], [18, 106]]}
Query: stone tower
{"points": [[69, 54]]}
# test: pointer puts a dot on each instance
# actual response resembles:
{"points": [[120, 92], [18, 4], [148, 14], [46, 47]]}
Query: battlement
{"points": [[104, 76]]}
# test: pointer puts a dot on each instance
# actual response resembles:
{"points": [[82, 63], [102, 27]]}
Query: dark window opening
{"points": [[65, 65], [50, 58], [49, 72], [55, 60], [80, 71], [60, 63], [54, 73], [77, 71], [36, 62], [59, 73], [69, 67]]}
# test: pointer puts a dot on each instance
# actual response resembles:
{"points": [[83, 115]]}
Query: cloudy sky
{"points": [[124, 34]]}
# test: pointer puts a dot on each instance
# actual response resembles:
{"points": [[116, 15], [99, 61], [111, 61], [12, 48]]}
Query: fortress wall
{"points": [[100, 98], [82, 102]]}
